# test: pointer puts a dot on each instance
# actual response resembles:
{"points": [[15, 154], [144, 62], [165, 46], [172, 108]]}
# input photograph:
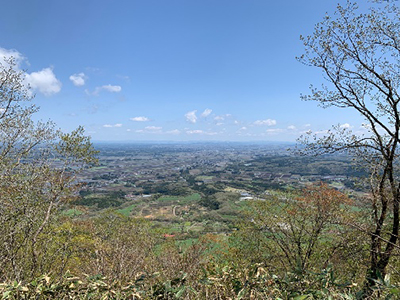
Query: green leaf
{"points": [[6, 295], [180, 292], [241, 294], [395, 291], [302, 297]]}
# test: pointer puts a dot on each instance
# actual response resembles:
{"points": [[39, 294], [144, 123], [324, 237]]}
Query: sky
{"points": [[170, 70]]}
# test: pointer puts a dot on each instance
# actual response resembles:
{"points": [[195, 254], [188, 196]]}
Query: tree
{"points": [[301, 232], [123, 247], [359, 55], [38, 168]]}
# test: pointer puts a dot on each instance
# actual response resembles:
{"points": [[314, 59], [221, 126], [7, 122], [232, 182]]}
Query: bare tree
{"points": [[359, 55], [38, 167]]}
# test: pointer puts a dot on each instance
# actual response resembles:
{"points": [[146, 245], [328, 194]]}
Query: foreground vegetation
{"points": [[225, 283], [291, 246]]}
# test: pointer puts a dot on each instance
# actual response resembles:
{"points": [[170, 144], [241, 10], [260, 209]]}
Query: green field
{"points": [[203, 178], [72, 212], [126, 211], [181, 199]]}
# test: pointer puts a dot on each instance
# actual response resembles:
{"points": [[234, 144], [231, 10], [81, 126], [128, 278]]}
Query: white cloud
{"points": [[201, 132], [153, 128], [44, 81], [111, 126], [191, 116], [112, 88], [109, 88], [175, 132], [321, 131], [139, 119], [222, 117], [366, 126], [292, 127], [274, 131], [6, 54], [150, 129], [243, 128], [206, 113], [78, 79], [195, 132], [268, 122], [346, 126]]}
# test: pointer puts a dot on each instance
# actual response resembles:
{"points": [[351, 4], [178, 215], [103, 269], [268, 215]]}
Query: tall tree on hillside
{"points": [[359, 55], [38, 167]]}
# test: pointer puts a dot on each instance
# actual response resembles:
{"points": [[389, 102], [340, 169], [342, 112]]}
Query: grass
{"points": [[202, 178], [72, 212], [126, 211], [185, 244], [180, 199]]}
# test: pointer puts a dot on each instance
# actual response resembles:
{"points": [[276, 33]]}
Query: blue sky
{"points": [[171, 70]]}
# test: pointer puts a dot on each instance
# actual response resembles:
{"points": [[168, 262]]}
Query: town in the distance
{"points": [[197, 188]]}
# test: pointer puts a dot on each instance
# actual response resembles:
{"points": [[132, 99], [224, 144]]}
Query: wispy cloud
{"points": [[200, 132], [197, 131], [124, 77], [268, 122], [150, 129], [174, 132], [325, 131], [206, 112], [346, 126], [275, 131], [140, 119], [222, 117], [111, 126], [153, 128], [191, 116], [109, 88], [78, 79]]}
